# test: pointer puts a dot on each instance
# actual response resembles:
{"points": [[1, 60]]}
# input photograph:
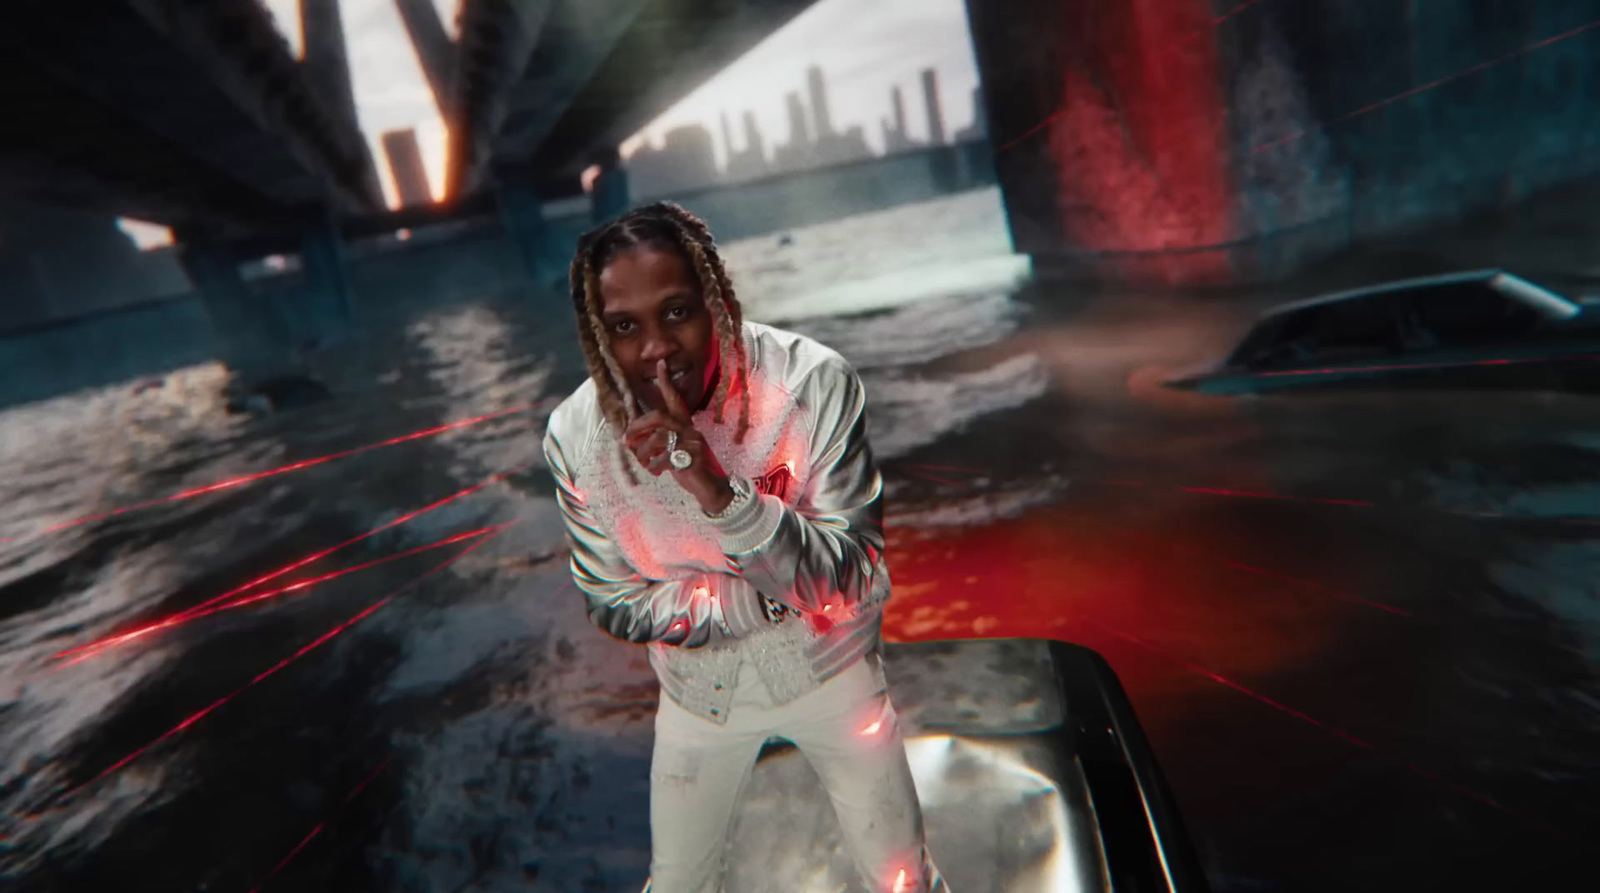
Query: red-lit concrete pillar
{"points": [[1109, 124]]}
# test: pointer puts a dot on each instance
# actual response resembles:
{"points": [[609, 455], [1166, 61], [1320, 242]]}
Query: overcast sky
{"points": [[865, 47]]}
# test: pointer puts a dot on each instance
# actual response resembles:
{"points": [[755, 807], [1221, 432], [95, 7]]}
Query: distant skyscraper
{"points": [[930, 93], [685, 161], [895, 138], [727, 138], [799, 133], [799, 152], [850, 146], [819, 104], [691, 150], [752, 162], [979, 129], [405, 162], [753, 141]]}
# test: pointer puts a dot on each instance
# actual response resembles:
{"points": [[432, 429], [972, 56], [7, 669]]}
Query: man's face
{"points": [[652, 309]]}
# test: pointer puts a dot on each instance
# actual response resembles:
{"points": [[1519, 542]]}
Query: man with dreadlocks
{"points": [[724, 507]]}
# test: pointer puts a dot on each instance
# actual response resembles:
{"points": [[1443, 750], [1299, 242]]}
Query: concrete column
{"points": [[1021, 83], [326, 63], [328, 305], [522, 218], [327, 66], [610, 196], [1088, 103], [252, 336], [435, 50]]}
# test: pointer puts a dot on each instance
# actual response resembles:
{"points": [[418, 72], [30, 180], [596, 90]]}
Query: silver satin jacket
{"points": [[793, 582]]}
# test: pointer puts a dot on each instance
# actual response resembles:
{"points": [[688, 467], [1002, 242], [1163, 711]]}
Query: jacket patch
{"points": [[775, 482]]}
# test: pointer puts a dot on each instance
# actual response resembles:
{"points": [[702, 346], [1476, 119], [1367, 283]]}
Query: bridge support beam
{"points": [[252, 336], [264, 330], [522, 217], [435, 50], [610, 196], [1090, 102], [327, 305]]}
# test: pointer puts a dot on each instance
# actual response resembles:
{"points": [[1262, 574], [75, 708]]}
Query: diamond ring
{"points": [[680, 459]]}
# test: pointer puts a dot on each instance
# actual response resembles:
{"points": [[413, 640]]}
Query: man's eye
{"points": [[622, 328], [678, 313]]}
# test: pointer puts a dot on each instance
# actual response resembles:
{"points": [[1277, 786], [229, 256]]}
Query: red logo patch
{"points": [[775, 482]]}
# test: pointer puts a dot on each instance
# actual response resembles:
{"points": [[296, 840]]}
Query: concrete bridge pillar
{"points": [[1109, 124], [252, 336], [264, 329], [327, 305], [610, 197], [522, 218]]}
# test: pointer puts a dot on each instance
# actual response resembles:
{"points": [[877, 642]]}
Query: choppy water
{"points": [[476, 732], [484, 688]]}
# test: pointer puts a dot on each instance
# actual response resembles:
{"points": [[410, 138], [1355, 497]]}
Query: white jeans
{"points": [[848, 731]]}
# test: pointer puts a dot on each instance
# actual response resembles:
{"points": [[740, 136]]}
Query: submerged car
{"points": [[1033, 773], [1478, 329]]}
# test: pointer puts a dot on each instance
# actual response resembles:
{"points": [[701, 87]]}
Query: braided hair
{"points": [[666, 226]]}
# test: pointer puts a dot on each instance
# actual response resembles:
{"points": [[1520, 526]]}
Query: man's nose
{"points": [[657, 348]]}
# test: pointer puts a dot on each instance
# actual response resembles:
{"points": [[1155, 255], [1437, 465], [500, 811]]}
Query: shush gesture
{"points": [[666, 440]]}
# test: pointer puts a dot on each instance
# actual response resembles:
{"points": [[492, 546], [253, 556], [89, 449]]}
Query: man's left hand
{"points": [[647, 438]]}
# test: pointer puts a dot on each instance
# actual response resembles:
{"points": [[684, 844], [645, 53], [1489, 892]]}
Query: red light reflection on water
{"points": [[1050, 573], [303, 651], [243, 480]]}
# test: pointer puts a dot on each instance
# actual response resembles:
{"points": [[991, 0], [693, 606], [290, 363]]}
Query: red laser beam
{"points": [[932, 477], [84, 652], [1311, 584], [1431, 85], [320, 640], [297, 466], [1284, 578], [352, 541], [1217, 677], [1249, 495], [1235, 11], [1052, 118], [961, 468], [1413, 767], [350, 798]]}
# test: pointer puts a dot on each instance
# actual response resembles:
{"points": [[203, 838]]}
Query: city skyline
{"points": [[863, 55], [686, 159]]}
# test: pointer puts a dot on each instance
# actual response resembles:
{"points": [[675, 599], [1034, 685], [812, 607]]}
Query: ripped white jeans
{"points": [[846, 729]]}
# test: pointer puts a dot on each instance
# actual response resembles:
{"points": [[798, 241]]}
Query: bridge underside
{"points": [[593, 73], [191, 115]]}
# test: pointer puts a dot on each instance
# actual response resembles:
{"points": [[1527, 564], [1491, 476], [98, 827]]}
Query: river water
{"points": [[1273, 579], [481, 691]]}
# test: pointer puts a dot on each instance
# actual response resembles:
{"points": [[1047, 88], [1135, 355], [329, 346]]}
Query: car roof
{"points": [[1511, 285]]}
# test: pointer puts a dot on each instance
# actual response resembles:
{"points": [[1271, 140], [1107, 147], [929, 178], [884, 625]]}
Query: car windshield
{"points": [[1463, 315], [1354, 329]]}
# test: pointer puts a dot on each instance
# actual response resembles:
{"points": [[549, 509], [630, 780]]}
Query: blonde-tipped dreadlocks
{"points": [[669, 226]]}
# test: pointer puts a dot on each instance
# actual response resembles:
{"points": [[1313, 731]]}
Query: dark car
{"points": [[1479, 329], [1033, 773]]}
